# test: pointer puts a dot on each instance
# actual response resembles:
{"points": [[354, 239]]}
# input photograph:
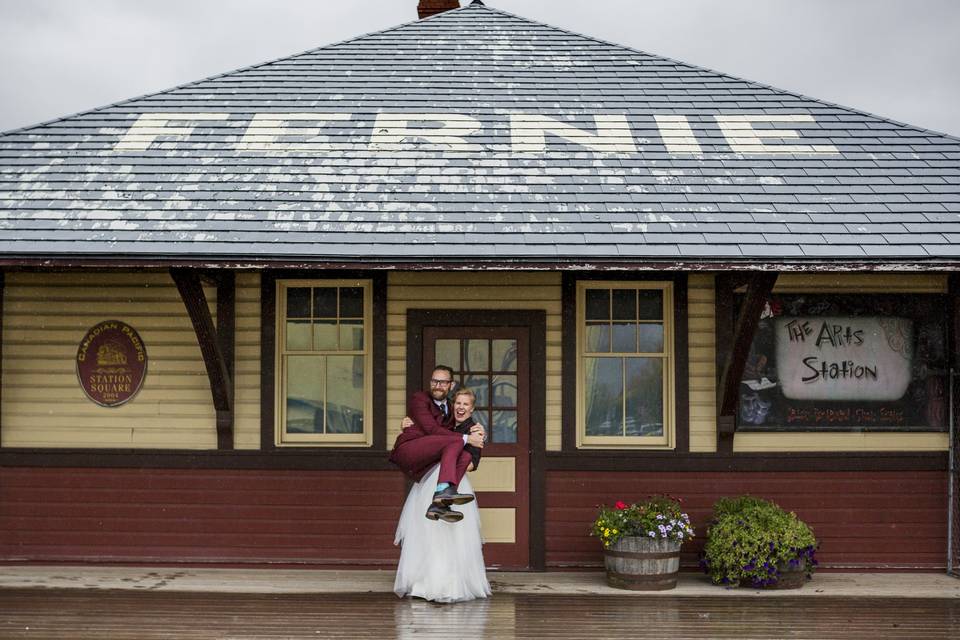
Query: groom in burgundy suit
{"points": [[431, 439]]}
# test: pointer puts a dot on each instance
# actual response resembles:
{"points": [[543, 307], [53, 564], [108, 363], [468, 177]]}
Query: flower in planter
{"points": [[753, 541], [657, 517]]}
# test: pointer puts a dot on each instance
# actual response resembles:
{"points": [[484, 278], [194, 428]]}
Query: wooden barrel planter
{"points": [[642, 564]]}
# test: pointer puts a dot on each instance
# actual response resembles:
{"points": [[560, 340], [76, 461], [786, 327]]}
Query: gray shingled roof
{"points": [[650, 167]]}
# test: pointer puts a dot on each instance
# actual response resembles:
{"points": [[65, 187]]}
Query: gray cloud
{"points": [[892, 58]]}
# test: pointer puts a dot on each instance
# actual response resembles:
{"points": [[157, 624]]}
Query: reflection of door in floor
{"points": [[494, 363]]}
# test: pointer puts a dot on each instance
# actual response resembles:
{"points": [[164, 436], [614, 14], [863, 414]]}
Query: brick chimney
{"points": [[428, 8]]}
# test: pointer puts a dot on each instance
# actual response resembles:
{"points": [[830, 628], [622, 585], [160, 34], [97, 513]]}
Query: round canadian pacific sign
{"points": [[111, 363]]}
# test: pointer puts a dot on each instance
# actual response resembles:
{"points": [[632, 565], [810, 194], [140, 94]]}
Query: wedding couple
{"points": [[441, 557]]}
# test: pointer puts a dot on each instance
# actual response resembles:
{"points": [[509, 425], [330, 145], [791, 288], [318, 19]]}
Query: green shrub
{"points": [[724, 506], [752, 541]]}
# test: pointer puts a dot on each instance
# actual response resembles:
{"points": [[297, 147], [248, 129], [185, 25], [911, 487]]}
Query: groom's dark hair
{"points": [[443, 367]]}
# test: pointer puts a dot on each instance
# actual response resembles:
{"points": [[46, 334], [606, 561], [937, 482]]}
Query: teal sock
{"points": [[442, 485]]}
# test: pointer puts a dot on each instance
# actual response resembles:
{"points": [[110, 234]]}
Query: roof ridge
{"points": [[231, 72], [918, 128]]}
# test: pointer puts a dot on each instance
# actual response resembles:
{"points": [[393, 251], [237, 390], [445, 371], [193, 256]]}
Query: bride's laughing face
{"points": [[462, 408]]}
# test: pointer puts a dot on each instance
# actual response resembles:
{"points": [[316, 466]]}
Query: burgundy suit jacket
{"points": [[428, 421]]}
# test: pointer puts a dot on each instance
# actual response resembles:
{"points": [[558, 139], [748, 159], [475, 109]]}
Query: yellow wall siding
{"points": [[46, 315], [43, 405], [861, 283], [760, 442], [246, 425], [701, 332], [499, 290]]}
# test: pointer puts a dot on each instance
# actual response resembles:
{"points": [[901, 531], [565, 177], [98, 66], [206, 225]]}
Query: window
{"points": [[324, 362], [844, 362], [625, 364]]}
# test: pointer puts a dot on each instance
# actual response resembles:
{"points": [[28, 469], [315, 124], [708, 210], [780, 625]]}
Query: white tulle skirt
{"points": [[439, 561]]}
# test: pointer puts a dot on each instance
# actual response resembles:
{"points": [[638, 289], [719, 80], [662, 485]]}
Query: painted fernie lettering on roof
{"points": [[478, 133], [457, 132]]}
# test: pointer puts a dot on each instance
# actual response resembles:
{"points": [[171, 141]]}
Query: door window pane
{"points": [[448, 353], [504, 427], [644, 396], [477, 356], [480, 385], [603, 386], [504, 355], [504, 391]]}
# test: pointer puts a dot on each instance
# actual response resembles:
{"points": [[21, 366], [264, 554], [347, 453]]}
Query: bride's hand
{"points": [[476, 439]]}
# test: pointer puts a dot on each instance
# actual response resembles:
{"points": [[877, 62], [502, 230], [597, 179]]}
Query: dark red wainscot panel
{"points": [[862, 519]]}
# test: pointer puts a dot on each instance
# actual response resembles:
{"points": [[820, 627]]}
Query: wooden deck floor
{"points": [[42, 614]]}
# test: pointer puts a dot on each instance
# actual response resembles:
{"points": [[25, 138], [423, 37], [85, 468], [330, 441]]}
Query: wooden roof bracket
{"points": [[732, 354], [216, 341]]}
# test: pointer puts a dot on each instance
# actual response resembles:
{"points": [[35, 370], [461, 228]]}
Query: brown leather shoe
{"points": [[449, 495], [443, 512]]}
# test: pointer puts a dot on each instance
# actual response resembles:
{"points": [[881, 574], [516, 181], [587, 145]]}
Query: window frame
{"points": [[668, 441], [281, 439]]}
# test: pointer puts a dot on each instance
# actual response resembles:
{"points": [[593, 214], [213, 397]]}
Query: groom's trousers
{"points": [[417, 456]]}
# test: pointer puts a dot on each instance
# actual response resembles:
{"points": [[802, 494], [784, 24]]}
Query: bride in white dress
{"points": [[441, 561]]}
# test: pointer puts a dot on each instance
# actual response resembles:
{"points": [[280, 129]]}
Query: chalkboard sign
{"points": [[835, 362]]}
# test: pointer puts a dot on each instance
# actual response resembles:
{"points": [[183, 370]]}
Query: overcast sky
{"points": [[899, 59]]}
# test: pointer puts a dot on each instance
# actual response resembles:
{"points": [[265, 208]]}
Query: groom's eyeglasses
{"points": [[440, 383]]}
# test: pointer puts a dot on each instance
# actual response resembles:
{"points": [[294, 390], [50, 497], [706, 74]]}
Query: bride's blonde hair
{"points": [[466, 392]]}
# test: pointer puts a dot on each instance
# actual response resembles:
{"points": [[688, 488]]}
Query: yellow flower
{"points": [[614, 532]]}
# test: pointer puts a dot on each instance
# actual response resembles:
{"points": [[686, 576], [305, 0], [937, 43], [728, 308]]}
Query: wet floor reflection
{"points": [[106, 615], [417, 619]]}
